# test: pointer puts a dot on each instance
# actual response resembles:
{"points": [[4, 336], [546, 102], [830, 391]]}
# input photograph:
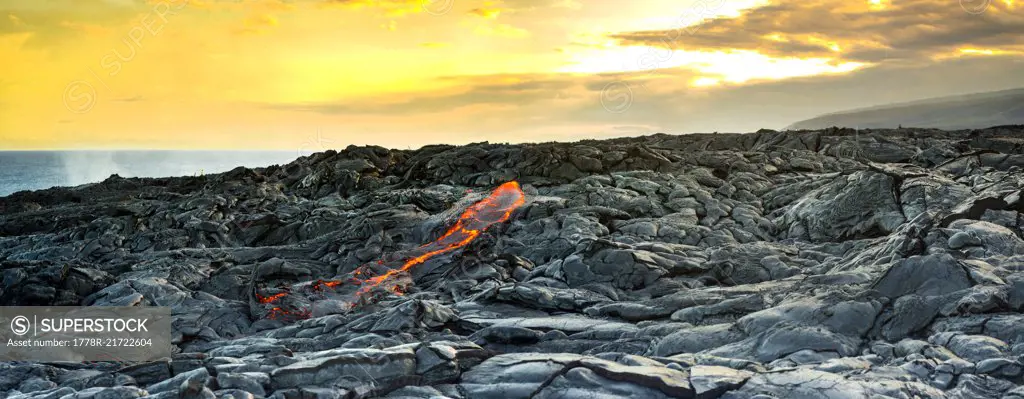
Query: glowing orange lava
{"points": [[277, 313], [496, 208], [272, 298], [320, 284]]}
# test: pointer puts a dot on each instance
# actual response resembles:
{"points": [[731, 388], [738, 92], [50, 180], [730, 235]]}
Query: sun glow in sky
{"points": [[272, 73]]}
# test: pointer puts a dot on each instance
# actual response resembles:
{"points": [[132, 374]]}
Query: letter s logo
{"points": [[19, 325]]}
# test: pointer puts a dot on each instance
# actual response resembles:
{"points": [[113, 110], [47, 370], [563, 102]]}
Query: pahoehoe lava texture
{"points": [[810, 264]]}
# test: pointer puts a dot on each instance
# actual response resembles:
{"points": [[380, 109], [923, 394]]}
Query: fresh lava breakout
{"points": [[496, 208]]}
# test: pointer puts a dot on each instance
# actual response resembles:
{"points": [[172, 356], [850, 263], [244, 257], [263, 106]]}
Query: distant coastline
{"points": [[42, 169]]}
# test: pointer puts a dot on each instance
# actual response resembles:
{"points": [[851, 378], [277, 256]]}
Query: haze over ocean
{"points": [[37, 170]]}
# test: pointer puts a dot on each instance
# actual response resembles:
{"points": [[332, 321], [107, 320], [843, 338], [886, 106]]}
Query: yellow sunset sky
{"points": [[313, 74]]}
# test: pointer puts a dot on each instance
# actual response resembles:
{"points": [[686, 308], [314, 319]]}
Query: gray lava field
{"points": [[803, 264]]}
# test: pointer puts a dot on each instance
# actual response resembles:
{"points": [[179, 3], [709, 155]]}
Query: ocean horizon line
{"points": [[152, 150]]}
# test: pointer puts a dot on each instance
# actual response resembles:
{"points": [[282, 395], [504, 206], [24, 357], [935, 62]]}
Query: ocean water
{"points": [[36, 170]]}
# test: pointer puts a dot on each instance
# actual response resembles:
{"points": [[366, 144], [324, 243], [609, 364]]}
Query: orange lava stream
{"points": [[272, 298], [494, 209], [279, 313], [373, 282]]}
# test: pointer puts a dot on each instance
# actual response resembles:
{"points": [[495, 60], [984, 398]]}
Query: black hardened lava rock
{"points": [[803, 264]]}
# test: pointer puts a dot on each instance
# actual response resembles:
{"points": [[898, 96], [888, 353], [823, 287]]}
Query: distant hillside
{"points": [[1005, 107]]}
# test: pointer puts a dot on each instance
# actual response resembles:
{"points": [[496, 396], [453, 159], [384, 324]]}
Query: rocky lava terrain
{"points": [[810, 264]]}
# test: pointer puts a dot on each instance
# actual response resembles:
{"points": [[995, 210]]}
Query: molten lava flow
{"points": [[277, 313], [272, 298], [496, 208], [320, 284]]}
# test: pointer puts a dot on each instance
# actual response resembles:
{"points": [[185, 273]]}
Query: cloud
{"points": [[486, 13], [390, 8], [257, 24], [570, 4], [59, 21], [331, 64], [855, 31], [222, 5], [525, 106], [56, 22], [490, 90], [277, 5], [85, 27], [489, 12], [501, 30], [533, 5]]}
